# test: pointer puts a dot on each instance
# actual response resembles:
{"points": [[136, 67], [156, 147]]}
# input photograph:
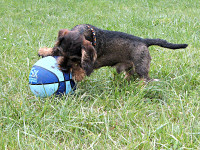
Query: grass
{"points": [[106, 112]]}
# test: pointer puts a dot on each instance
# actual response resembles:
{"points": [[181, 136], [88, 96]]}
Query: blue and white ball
{"points": [[45, 78]]}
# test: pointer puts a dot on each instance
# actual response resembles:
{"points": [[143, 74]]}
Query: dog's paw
{"points": [[78, 76], [45, 51]]}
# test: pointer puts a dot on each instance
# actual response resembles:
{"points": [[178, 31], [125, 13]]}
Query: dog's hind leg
{"points": [[142, 59], [128, 68], [121, 67]]}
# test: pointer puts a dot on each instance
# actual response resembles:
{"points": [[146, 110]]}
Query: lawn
{"points": [[106, 111]]}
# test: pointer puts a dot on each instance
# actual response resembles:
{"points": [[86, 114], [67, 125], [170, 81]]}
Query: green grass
{"points": [[106, 112]]}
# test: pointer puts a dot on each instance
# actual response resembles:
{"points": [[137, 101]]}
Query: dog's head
{"points": [[75, 49]]}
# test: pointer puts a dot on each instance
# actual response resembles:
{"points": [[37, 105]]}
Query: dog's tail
{"points": [[164, 43]]}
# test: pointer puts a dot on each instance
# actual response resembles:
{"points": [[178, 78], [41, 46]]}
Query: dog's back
{"points": [[108, 39]]}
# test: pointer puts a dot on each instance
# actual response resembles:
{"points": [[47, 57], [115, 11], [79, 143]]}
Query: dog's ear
{"points": [[62, 33], [88, 57]]}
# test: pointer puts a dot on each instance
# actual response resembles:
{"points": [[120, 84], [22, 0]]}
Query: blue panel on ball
{"points": [[40, 75], [66, 76], [50, 64], [61, 89], [44, 90]]}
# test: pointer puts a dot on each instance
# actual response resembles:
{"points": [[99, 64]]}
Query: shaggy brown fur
{"points": [[87, 47]]}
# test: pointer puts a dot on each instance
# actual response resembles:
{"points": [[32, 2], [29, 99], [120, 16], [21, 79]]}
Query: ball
{"points": [[45, 78]]}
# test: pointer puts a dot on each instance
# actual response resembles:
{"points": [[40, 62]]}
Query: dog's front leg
{"points": [[78, 73], [45, 52]]}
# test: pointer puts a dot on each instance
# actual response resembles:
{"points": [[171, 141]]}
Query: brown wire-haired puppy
{"points": [[87, 47]]}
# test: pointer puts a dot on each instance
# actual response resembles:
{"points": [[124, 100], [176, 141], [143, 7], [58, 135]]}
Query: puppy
{"points": [[86, 47]]}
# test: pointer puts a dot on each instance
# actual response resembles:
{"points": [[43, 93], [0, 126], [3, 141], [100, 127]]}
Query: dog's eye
{"points": [[75, 58]]}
